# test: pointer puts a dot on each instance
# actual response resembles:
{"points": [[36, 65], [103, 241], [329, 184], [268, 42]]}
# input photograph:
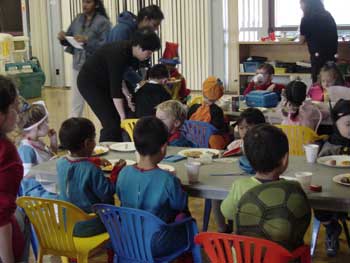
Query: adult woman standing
{"points": [[91, 29], [100, 79], [319, 30]]}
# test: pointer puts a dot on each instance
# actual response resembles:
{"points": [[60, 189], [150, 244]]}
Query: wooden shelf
{"points": [[270, 43], [278, 75]]}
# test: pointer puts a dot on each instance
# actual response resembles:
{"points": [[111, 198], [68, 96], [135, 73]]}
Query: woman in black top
{"points": [[100, 79], [319, 30]]}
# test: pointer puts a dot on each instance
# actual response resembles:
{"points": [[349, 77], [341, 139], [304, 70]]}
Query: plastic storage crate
{"points": [[251, 66]]}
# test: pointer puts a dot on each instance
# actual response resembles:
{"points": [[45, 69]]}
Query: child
{"points": [[81, 181], [208, 111], [330, 75], [295, 110], [171, 59], [153, 92], [33, 121], [338, 144], [145, 186], [263, 80], [269, 165], [11, 174], [173, 114]]}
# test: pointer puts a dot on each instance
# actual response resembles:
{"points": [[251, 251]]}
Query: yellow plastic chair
{"points": [[53, 221], [196, 100], [298, 136], [128, 125]]}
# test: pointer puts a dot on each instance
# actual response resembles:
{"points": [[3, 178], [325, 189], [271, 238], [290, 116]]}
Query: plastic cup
{"points": [[192, 169], [311, 151], [304, 178]]}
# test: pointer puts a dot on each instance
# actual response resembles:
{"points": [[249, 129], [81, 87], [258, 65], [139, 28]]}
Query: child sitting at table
{"points": [[330, 75], [338, 144], [208, 111], [173, 114], [177, 82], [295, 110], [11, 174], [153, 92], [147, 187], [33, 122], [263, 80], [80, 180], [269, 165]]}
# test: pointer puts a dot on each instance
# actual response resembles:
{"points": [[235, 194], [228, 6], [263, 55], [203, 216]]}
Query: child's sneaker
{"points": [[333, 231]]}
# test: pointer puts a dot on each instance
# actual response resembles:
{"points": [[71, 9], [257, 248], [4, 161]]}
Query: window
{"points": [[289, 15]]}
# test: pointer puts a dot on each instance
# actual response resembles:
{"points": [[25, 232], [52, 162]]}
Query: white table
{"points": [[334, 197]]}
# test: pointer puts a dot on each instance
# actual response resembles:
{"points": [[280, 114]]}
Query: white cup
{"points": [[304, 178], [192, 169], [311, 151]]}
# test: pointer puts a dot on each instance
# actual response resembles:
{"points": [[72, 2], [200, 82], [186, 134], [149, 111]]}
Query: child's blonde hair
{"points": [[31, 114], [175, 109], [332, 69]]}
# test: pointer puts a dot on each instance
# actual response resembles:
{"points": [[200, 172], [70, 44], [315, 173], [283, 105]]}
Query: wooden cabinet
{"points": [[283, 52]]}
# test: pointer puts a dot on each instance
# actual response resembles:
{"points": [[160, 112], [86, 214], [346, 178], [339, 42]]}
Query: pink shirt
{"points": [[316, 92]]}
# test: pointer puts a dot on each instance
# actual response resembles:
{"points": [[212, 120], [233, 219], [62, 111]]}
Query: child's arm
{"points": [[178, 197], [229, 204], [102, 187], [53, 140], [249, 88], [6, 250], [28, 158]]}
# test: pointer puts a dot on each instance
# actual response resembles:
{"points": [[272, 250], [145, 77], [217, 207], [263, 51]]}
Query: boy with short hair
{"points": [[147, 187], [263, 80], [173, 114], [266, 147], [153, 92]]}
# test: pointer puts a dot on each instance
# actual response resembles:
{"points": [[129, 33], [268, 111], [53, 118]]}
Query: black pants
{"points": [[101, 103], [317, 63]]}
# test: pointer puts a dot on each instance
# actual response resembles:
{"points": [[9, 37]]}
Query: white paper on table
{"points": [[74, 43]]}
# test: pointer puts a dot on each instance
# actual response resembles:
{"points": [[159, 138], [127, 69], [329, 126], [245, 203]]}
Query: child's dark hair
{"points": [[152, 12], [265, 146], [150, 134], [74, 132], [296, 92], [146, 38], [251, 116], [8, 93], [332, 68], [158, 71], [100, 8], [268, 68]]}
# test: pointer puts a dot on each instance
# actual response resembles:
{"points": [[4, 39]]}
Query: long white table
{"points": [[334, 197]]}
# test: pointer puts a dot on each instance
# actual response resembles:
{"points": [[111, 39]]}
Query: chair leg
{"points": [[346, 230], [82, 258], [64, 260], [315, 229], [40, 257], [206, 216]]}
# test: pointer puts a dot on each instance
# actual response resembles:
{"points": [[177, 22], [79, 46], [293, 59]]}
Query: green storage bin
{"points": [[30, 84]]}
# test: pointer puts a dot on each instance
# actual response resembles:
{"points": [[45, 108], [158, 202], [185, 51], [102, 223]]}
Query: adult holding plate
{"points": [[100, 79], [319, 30]]}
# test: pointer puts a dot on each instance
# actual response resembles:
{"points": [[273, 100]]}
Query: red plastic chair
{"points": [[219, 249]]}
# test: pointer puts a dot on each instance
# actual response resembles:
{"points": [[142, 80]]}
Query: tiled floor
{"points": [[58, 103]]}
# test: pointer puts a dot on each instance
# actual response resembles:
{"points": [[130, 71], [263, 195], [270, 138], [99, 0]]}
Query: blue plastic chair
{"points": [[131, 232], [198, 133]]}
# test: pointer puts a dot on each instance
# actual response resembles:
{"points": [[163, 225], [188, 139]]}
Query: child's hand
{"points": [[61, 35], [81, 39], [272, 87], [53, 140], [104, 162], [116, 170]]}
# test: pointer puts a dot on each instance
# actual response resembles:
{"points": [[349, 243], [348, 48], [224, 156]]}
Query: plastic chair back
{"points": [[195, 100], [128, 125], [242, 249], [198, 133], [299, 136], [131, 231], [53, 221]]}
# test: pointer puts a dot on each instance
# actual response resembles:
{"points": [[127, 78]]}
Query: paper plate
{"points": [[109, 168], [198, 152], [340, 161], [123, 147], [166, 167], [340, 177], [100, 150]]}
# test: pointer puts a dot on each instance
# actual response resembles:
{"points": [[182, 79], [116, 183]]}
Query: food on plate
{"points": [[98, 151], [345, 179], [193, 154], [345, 163], [110, 166]]}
